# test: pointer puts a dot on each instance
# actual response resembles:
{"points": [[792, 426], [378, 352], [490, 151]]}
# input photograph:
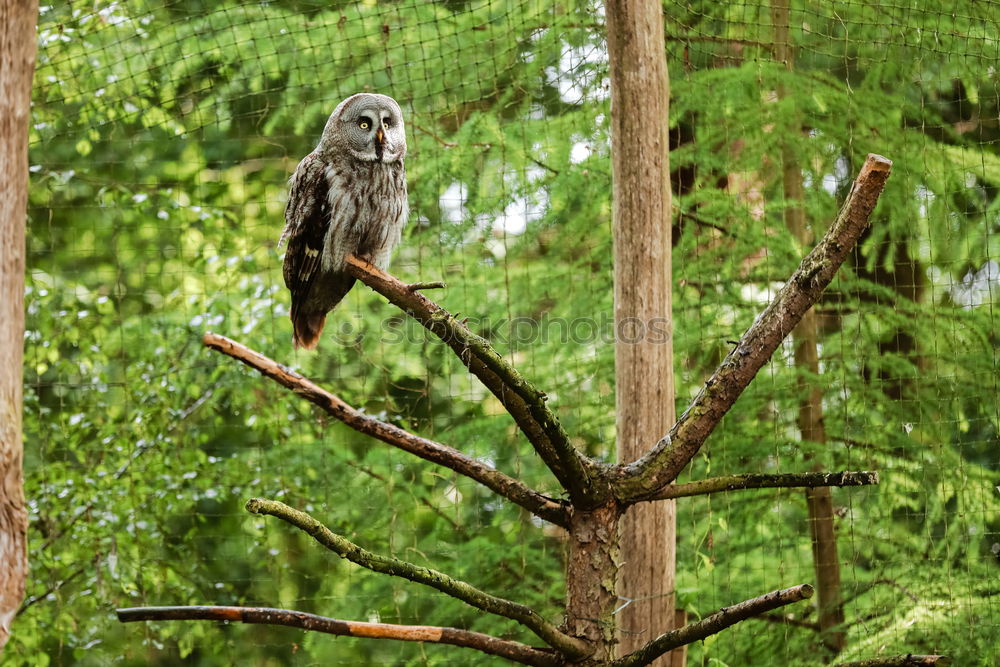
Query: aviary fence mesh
{"points": [[163, 136]]}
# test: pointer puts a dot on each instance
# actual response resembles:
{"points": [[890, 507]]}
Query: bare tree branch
{"points": [[717, 40], [555, 511], [762, 481], [550, 634], [514, 651], [899, 661], [649, 474], [520, 398], [865, 588], [423, 500], [710, 625]]}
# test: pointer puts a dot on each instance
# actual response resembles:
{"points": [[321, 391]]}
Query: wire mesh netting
{"points": [[163, 137]]}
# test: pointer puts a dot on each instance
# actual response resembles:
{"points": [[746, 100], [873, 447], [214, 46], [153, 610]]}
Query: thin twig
{"points": [[449, 144], [546, 508], [424, 501], [697, 219], [55, 586], [520, 398], [550, 634], [434, 136], [765, 481], [514, 651], [866, 588], [787, 620], [434, 284], [649, 474], [712, 624], [544, 166], [715, 40]]}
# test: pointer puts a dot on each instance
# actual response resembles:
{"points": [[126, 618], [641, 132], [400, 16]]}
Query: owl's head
{"points": [[368, 127]]}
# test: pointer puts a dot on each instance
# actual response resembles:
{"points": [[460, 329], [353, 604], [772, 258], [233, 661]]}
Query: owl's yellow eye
{"points": [[385, 124], [364, 123]]}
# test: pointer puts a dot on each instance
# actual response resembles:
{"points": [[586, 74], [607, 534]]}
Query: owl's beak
{"points": [[379, 143]]}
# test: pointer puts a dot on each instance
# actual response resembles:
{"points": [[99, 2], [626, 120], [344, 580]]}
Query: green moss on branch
{"points": [[550, 634]]}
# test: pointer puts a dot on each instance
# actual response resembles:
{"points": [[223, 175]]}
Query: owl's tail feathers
{"points": [[309, 316], [306, 328]]}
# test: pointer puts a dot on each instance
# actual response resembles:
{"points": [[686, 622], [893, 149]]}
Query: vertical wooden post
{"points": [[819, 501], [17, 66], [644, 348]]}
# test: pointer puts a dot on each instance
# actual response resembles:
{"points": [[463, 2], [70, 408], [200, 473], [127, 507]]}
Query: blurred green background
{"points": [[163, 136]]}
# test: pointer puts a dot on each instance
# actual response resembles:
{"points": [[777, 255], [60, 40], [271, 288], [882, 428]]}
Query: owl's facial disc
{"points": [[368, 127], [375, 128]]}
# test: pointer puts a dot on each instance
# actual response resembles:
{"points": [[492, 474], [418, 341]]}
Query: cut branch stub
{"points": [[546, 508], [513, 651], [520, 398], [643, 478]]}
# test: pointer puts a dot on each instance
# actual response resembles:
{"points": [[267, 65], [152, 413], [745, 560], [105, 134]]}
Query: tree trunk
{"points": [[592, 569], [826, 563], [17, 64], [644, 348]]}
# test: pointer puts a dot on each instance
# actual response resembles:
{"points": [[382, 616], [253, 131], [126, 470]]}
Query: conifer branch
{"points": [[555, 511], [513, 651], [550, 634]]}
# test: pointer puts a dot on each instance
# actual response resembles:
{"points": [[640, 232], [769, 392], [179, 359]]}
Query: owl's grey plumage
{"points": [[346, 197]]}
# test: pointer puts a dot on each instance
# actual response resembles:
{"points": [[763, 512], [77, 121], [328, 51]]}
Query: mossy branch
{"points": [[764, 481], [549, 633], [525, 403], [546, 508], [513, 651], [710, 625], [646, 477], [900, 661]]}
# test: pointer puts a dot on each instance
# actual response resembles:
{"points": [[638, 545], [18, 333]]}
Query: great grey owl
{"points": [[346, 197]]}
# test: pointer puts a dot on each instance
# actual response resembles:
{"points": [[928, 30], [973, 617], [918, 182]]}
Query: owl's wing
{"points": [[307, 217]]}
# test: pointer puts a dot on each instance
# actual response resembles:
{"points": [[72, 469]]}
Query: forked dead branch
{"points": [[598, 493]]}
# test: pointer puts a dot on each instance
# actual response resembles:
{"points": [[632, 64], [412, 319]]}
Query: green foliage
{"points": [[163, 137], [906, 332]]}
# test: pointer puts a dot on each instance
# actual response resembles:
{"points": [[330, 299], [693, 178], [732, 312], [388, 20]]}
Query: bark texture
{"points": [[550, 509], [587, 637], [340, 545], [720, 620], [513, 651], [908, 660], [767, 481], [644, 388], [17, 65], [592, 570], [522, 401], [642, 479]]}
